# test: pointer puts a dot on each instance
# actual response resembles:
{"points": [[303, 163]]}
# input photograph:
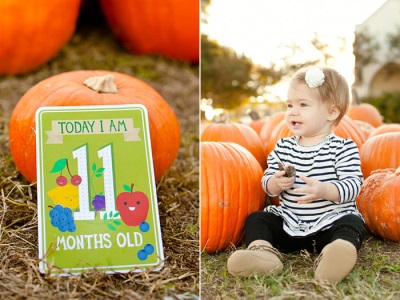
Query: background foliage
{"points": [[388, 105]]}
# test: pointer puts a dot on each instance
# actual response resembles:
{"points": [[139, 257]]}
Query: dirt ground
{"points": [[93, 46]]}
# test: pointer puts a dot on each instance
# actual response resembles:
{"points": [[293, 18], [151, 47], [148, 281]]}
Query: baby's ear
{"points": [[334, 113]]}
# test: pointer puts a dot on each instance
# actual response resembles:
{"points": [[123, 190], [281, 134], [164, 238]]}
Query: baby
{"points": [[317, 187]]}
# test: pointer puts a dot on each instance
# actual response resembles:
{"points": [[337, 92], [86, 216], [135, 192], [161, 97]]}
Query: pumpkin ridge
{"points": [[228, 200], [204, 217]]}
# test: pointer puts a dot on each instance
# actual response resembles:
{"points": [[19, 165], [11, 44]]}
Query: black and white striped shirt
{"points": [[334, 160]]}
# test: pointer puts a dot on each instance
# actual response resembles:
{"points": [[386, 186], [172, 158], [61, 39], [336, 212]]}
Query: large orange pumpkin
{"points": [[230, 191], [380, 152], [366, 112], [33, 31], [236, 133], [379, 203], [67, 89], [167, 27]]}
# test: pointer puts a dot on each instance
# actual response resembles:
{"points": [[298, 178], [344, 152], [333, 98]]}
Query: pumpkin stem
{"points": [[254, 115], [223, 118], [102, 84]]}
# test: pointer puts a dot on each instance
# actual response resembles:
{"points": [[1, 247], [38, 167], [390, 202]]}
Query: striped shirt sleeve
{"points": [[348, 169]]}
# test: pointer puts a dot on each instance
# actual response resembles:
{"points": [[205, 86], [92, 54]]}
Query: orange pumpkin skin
{"points": [[66, 89], [257, 125], [347, 128], [379, 203], [230, 191], [380, 152], [170, 28], [366, 112], [268, 128], [385, 128], [236, 133], [32, 32], [364, 127]]}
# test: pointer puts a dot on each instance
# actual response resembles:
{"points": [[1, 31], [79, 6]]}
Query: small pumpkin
{"points": [[269, 126], [230, 191], [347, 128], [237, 133], [33, 32], [364, 127], [380, 152], [385, 128], [170, 28], [257, 122], [366, 112], [379, 203], [100, 88]]}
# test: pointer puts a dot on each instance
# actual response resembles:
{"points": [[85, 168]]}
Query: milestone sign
{"points": [[97, 202]]}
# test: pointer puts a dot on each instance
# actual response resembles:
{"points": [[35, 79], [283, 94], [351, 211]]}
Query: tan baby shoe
{"points": [[259, 256], [336, 261]]}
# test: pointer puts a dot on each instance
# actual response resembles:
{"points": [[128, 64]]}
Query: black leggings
{"points": [[261, 225]]}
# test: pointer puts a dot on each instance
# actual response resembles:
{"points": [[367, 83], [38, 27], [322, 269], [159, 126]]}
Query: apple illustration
{"points": [[133, 207]]}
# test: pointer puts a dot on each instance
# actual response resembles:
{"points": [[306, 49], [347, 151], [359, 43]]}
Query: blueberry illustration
{"points": [[144, 226], [142, 255], [149, 249]]}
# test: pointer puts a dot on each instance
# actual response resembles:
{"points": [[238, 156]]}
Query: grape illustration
{"points": [[58, 208], [54, 221], [63, 226], [54, 214], [72, 227], [67, 211], [62, 218], [99, 202]]}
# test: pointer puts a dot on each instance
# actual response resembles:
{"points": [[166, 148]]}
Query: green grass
{"points": [[375, 276]]}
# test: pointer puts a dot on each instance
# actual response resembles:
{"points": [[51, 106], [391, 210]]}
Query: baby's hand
{"points": [[290, 171], [283, 181]]}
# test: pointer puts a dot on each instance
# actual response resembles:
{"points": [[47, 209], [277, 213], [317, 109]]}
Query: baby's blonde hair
{"points": [[334, 90]]}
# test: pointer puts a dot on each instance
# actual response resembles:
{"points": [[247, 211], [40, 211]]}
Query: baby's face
{"points": [[307, 116]]}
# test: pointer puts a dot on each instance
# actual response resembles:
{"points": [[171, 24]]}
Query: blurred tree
{"points": [[394, 44], [388, 105], [364, 49], [324, 53], [230, 79], [204, 13]]}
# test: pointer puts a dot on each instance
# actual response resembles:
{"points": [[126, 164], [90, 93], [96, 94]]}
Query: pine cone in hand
{"points": [[290, 171]]}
